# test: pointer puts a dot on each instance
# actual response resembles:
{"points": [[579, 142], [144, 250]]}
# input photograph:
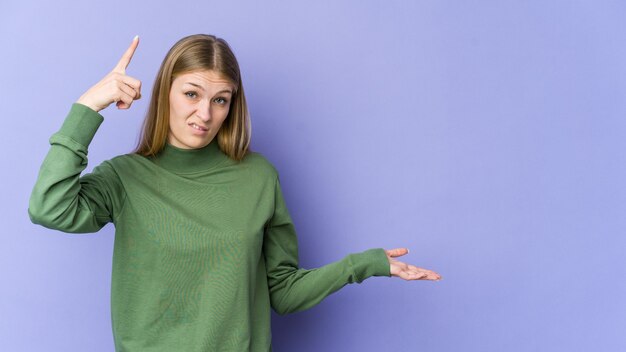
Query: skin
{"points": [[201, 98], [408, 271], [206, 104], [116, 87]]}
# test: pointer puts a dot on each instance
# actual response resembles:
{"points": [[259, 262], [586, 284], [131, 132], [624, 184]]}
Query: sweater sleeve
{"points": [[63, 200], [294, 289]]}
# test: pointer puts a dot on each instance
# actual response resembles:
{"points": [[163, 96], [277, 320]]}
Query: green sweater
{"points": [[204, 245]]}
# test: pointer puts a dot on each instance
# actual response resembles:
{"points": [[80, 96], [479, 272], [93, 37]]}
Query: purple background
{"points": [[486, 136]]}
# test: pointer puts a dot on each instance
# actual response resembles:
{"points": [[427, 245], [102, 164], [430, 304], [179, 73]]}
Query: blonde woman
{"points": [[204, 244]]}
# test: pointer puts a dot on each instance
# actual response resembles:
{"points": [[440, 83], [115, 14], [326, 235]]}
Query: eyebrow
{"points": [[221, 91]]}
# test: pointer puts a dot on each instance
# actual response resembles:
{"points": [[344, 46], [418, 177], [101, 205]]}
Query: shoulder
{"points": [[260, 163], [123, 162], [125, 159]]}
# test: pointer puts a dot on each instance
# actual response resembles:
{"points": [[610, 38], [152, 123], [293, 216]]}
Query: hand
{"points": [[407, 271], [116, 86]]}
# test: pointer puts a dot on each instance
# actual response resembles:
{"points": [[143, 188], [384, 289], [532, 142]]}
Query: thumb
{"points": [[397, 252]]}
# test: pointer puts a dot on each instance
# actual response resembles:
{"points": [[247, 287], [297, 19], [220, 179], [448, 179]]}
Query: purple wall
{"points": [[487, 138]]}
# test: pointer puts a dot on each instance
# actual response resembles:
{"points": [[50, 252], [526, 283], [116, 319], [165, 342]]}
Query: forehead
{"points": [[207, 79]]}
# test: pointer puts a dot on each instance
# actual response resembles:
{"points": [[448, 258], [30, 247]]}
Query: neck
{"points": [[190, 160]]}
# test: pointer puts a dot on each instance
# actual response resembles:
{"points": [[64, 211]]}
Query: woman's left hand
{"points": [[407, 271]]}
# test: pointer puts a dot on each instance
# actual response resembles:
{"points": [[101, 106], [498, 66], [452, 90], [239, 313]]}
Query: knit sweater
{"points": [[204, 245]]}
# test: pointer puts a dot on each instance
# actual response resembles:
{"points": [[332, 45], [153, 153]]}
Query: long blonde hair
{"points": [[197, 52]]}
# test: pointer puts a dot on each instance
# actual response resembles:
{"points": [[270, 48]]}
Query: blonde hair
{"points": [[192, 53]]}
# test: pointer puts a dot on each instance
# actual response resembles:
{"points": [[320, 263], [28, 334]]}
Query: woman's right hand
{"points": [[116, 86]]}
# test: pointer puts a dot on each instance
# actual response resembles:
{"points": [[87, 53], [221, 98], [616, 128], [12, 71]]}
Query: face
{"points": [[199, 103]]}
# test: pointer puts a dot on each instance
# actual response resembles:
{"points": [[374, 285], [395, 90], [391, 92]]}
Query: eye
{"points": [[221, 101], [191, 94]]}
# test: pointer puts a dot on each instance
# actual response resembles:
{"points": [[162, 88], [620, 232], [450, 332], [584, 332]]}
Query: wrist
{"points": [[88, 104]]}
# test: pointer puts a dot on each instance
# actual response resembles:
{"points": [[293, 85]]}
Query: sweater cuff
{"points": [[81, 124], [372, 262]]}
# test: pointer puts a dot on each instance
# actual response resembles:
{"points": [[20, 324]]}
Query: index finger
{"points": [[128, 55]]}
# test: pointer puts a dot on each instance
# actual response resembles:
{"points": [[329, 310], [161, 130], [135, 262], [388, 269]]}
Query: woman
{"points": [[204, 244]]}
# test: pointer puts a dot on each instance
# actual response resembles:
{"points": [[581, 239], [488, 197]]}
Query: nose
{"points": [[204, 110]]}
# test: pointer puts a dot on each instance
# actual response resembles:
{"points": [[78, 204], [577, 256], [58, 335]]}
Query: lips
{"points": [[198, 127]]}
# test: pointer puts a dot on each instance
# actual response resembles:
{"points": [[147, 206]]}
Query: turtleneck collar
{"points": [[190, 160]]}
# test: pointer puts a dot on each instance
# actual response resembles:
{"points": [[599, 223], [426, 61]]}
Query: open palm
{"points": [[407, 271]]}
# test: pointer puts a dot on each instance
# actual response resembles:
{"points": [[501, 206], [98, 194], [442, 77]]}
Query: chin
{"points": [[190, 142], [197, 145]]}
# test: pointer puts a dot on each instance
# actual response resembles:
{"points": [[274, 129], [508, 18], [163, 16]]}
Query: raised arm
{"points": [[61, 199]]}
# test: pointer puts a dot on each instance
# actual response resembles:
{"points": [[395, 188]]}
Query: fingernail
{"points": [[136, 37], [407, 251]]}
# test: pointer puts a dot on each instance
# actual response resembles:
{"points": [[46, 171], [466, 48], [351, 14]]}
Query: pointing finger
{"points": [[128, 55]]}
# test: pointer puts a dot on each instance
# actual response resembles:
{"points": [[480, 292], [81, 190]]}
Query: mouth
{"points": [[198, 127]]}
